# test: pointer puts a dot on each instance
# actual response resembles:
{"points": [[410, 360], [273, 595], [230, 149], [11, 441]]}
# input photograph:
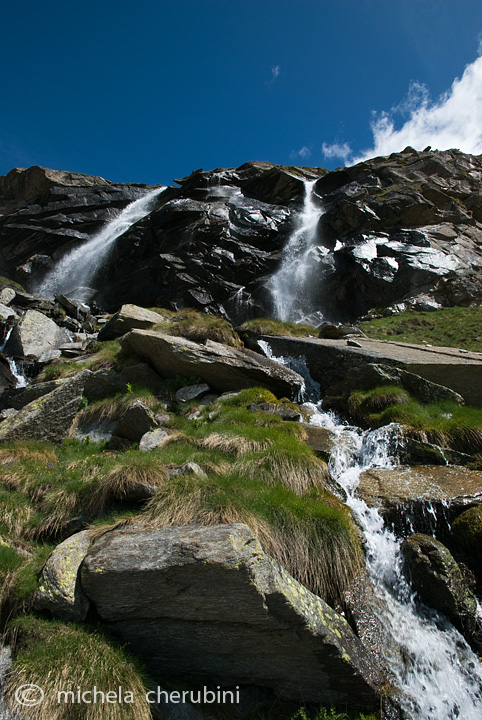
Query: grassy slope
{"points": [[451, 327]]}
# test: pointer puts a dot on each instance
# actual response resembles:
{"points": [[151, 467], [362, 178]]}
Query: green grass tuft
{"points": [[64, 658], [269, 326], [444, 423]]}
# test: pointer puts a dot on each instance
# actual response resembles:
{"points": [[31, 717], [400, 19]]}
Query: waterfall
{"points": [[76, 270], [289, 286], [437, 675], [17, 373]]}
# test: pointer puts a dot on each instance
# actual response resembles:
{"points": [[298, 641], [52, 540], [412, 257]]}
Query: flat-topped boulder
{"points": [[330, 360], [221, 367], [424, 496], [214, 605]]}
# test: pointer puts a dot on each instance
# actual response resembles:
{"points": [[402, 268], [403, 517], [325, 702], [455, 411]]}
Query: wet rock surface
{"points": [[423, 497], [440, 584]]}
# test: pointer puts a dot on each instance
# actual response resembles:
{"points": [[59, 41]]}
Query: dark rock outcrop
{"points": [[212, 593], [395, 230], [440, 584]]}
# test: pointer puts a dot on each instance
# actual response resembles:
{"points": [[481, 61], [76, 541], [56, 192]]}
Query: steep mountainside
{"points": [[405, 228]]}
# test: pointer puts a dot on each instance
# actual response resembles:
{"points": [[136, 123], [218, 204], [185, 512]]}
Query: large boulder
{"points": [[137, 420], [221, 367], [48, 417], [59, 589], [19, 397], [430, 372], [440, 584], [421, 498], [128, 318], [372, 375], [35, 335], [213, 604]]}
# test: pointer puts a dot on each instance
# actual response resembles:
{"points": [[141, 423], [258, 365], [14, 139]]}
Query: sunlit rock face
{"points": [[400, 230]]}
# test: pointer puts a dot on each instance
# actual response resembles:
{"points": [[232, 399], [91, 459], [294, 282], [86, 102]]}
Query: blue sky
{"points": [[150, 90]]}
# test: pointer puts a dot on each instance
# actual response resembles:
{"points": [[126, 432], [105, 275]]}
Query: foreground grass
{"points": [[255, 469], [59, 657], [449, 327]]}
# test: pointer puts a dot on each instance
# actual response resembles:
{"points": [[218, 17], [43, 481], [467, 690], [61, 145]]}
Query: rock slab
{"points": [[221, 367], [48, 417], [213, 604]]}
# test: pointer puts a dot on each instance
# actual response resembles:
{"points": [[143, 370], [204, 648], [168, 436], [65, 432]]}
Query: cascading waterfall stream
{"points": [[16, 371], [289, 285], [72, 275], [437, 674]]}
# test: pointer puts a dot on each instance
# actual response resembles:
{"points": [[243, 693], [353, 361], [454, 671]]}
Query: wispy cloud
{"points": [[275, 71], [335, 150], [303, 153], [454, 120]]}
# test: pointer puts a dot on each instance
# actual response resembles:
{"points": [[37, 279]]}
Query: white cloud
{"points": [[303, 153], [454, 120], [336, 150], [275, 71]]}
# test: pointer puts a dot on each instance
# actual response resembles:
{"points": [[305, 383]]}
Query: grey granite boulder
{"points": [[59, 589], [128, 318], [102, 383], [48, 417], [35, 335], [221, 367], [192, 392], [19, 397], [207, 601], [153, 439]]}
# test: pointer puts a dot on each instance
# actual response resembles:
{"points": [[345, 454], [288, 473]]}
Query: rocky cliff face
{"points": [[402, 229]]}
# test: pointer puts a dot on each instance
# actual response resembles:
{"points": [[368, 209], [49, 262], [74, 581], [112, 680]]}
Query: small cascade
{"points": [[75, 272], [289, 286], [16, 370], [437, 675], [17, 374]]}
